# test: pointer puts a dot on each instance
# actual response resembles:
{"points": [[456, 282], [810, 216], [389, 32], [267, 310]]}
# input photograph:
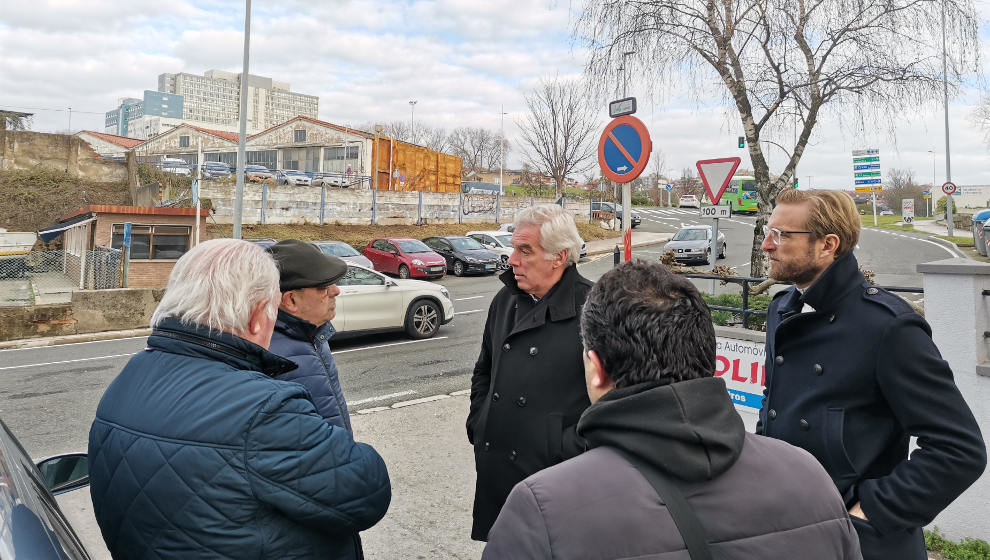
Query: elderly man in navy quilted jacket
{"points": [[198, 451], [303, 329]]}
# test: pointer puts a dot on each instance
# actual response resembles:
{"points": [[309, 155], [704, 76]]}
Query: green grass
{"points": [[967, 549], [960, 241]]}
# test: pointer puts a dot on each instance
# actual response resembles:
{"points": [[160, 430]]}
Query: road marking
{"points": [[937, 244], [468, 312], [382, 397], [69, 361], [50, 346], [387, 345], [420, 401], [740, 265], [467, 298]]}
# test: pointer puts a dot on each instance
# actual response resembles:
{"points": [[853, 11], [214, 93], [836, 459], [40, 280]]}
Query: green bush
{"points": [[966, 549], [723, 318], [641, 200]]}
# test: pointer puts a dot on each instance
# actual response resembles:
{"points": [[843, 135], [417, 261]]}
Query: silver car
{"points": [[693, 243], [344, 251]]}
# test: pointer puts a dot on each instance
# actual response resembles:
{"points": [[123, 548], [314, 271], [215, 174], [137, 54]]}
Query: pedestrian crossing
{"points": [[679, 216]]}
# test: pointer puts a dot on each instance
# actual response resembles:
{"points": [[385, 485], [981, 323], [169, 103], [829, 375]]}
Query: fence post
{"points": [[419, 210], [498, 206], [374, 206], [264, 202], [323, 204], [460, 208]]}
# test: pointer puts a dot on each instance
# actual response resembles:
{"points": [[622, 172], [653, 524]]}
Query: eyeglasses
{"points": [[775, 234]]}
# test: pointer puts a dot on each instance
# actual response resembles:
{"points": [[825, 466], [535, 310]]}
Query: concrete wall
{"points": [[90, 311], [25, 150], [287, 204]]}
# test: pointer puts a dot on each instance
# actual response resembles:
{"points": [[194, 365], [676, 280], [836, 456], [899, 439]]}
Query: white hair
{"points": [[217, 284], [557, 229]]}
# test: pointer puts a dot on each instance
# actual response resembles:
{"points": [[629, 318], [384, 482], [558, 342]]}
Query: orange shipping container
{"points": [[408, 167]]}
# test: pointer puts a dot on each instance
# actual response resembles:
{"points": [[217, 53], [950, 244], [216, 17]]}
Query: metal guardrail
{"points": [[745, 282]]}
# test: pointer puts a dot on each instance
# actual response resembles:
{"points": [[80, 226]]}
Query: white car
{"points": [[371, 302], [502, 239], [343, 251], [688, 201]]}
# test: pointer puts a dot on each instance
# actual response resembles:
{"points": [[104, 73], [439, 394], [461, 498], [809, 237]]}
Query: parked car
{"points": [[464, 255], [344, 251], [327, 179], [176, 166], [608, 208], [371, 302], [693, 243], [292, 177], [480, 187], [215, 170], [33, 524], [500, 241], [405, 257], [688, 201], [886, 213], [263, 242], [257, 173]]}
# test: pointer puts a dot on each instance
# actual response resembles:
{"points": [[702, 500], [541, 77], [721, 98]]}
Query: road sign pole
{"points": [[874, 196], [627, 220], [713, 253]]}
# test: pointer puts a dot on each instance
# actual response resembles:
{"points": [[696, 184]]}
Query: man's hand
{"points": [[857, 511]]}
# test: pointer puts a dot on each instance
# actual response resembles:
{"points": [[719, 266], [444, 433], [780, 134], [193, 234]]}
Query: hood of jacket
{"points": [[171, 335], [688, 429]]}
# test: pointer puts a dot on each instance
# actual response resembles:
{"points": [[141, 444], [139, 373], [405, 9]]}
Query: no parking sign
{"points": [[624, 149]]}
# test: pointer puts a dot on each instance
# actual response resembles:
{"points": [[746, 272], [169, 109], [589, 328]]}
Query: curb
{"points": [[72, 339], [618, 241]]}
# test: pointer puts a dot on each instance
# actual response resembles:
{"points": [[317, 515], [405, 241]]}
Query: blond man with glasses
{"points": [[852, 375]]}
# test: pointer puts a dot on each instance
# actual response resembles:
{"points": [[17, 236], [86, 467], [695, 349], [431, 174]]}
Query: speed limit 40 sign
{"points": [[715, 211], [949, 187]]}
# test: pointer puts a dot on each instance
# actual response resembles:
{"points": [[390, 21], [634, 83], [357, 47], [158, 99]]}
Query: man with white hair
{"points": [[527, 389], [198, 452]]}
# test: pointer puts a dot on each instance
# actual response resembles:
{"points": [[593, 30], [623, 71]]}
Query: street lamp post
{"points": [[945, 91], [412, 110], [931, 191], [501, 149]]}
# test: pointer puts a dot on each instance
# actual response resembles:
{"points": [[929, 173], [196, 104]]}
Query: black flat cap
{"points": [[303, 265]]}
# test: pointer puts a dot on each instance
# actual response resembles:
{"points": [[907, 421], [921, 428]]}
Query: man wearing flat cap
{"points": [[303, 329]]}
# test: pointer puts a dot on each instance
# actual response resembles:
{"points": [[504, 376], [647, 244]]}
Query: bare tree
{"points": [[475, 146], [15, 120], [981, 117], [898, 185], [785, 64], [558, 132]]}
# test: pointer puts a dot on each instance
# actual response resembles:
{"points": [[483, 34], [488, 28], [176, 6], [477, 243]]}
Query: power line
{"points": [[52, 109]]}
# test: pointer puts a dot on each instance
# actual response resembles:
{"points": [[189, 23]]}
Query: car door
{"points": [[367, 300], [445, 250]]}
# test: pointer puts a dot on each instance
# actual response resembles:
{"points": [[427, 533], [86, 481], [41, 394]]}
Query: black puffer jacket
{"points": [[756, 497]]}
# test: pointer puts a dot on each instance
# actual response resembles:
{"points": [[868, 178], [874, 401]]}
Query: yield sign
{"points": [[624, 149], [717, 172]]}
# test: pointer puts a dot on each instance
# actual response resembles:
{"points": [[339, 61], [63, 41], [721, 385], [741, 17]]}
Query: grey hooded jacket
{"points": [[756, 497]]}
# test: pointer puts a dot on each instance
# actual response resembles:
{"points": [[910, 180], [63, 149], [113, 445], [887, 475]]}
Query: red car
{"points": [[405, 257]]}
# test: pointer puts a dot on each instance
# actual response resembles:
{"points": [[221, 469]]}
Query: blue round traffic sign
{"points": [[624, 149]]}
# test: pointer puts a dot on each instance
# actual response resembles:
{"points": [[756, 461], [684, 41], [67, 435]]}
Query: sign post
{"points": [[949, 188], [927, 196], [716, 173], [623, 152], [866, 174]]}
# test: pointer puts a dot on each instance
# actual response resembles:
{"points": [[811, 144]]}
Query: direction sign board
{"points": [[624, 149], [715, 211], [926, 191], [866, 159], [949, 187], [866, 166], [867, 181], [869, 188], [867, 174], [868, 152], [668, 187], [716, 174]]}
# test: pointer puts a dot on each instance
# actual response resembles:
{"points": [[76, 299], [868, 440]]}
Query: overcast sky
{"points": [[461, 60]]}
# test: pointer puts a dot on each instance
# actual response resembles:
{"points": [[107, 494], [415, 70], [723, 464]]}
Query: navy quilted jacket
{"points": [[196, 452], [306, 345]]}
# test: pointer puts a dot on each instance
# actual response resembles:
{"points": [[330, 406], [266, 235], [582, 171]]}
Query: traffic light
{"points": [[795, 182], [742, 141]]}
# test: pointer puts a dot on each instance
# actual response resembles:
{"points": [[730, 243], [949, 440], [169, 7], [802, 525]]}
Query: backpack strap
{"points": [[685, 519]]}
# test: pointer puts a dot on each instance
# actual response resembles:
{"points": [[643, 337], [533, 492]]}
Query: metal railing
{"points": [[745, 281]]}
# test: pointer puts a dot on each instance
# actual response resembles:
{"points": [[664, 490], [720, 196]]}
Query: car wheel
{"points": [[458, 268], [403, 271], [722, 254], [422, 319]]}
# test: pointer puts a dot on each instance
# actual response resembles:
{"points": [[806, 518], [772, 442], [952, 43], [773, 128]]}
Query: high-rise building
{"points": [[130, 109], [214, 99]]}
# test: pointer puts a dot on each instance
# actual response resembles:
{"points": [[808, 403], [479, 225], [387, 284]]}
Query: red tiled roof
{"points": [[319, 122], [140, 210], [121, 141], [231, 136]]}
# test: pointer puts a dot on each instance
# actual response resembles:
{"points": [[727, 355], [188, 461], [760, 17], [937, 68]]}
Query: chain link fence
{"points": [[41, 277]]}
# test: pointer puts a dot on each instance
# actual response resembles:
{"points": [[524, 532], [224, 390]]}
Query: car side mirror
{"points": [[391, 283], [395, 253], [64, 473]]}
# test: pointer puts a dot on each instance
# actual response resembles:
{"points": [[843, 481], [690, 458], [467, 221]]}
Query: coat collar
{"points": [[301, 329], [835, 282], [200, 341], [562, 300]]}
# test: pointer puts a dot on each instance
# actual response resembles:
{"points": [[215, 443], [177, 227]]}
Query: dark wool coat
{"points": [[197, 452], [527, 390], [307, 345], [851, 382], [754, 496]]}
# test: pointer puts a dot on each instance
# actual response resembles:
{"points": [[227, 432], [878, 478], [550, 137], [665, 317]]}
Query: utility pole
{"points": [[945, 91], [501, 149], [412, 110], [241, 156]]}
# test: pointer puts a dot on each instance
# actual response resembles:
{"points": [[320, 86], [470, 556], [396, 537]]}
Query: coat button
{"points": [[818, 369], [779, 360], [512, 455], [506, 346], [533, 351], [521, 401], [804, 424], [488, 446], [495, 397], [872, 291], [771, 414], [831, 318]]}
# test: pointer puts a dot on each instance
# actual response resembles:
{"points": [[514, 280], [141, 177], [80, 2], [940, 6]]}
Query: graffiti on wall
{"points": [[478, 204]]}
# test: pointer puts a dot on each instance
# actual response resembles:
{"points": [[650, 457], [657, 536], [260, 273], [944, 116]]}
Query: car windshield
{"points": [[413, 246], [688, 197], [690, 235], [505, 240], [294, 172], [465, 243], [337, 249]]}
